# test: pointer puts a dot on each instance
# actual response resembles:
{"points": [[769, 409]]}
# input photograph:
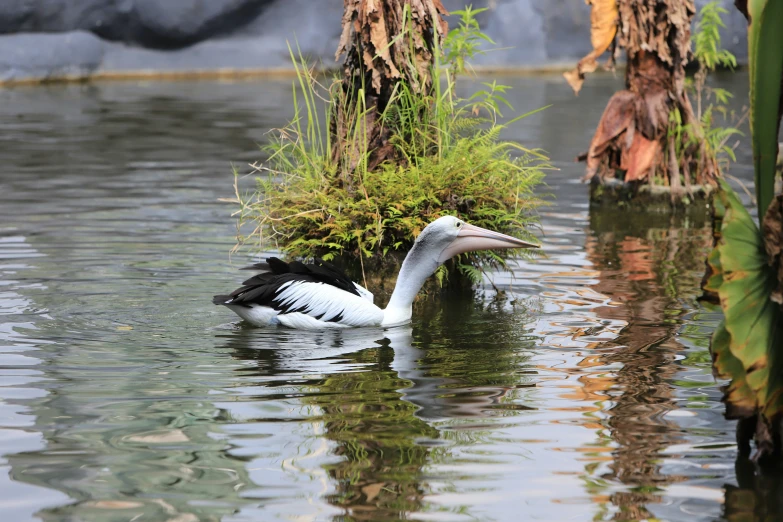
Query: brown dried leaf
{"points": [[772, 231], [372, 491], [379, 38], [662, 27], [382, 47], [575, 79], [113, 504], [371, 28], [653, 113], [603, 28], [349, 27], [639, 159], [656, 35], [603, 23], [618, 116]]}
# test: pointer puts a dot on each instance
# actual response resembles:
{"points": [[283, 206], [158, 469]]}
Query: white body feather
{"points": [[304, 302], [256, 314], [320, 304], [366, 294]]}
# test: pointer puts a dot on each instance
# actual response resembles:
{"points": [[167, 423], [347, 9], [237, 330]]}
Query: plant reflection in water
{"points": [[380, 411]]}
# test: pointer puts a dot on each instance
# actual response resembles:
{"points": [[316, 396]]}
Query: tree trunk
{"points": [[386, 43], [633, 137]]}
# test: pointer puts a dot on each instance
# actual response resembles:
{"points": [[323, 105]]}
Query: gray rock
{"points": [[184, 22], [188, 35], [566, 27], [15, 15], [48, 56], [517, 28], [148, 23], [262, 44], [55, 16]]}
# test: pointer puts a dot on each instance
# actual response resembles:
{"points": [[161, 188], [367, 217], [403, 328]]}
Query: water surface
{"points": [[585, 393]]}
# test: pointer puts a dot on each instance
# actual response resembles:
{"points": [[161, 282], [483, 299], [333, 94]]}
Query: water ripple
{"points": [[583, 394]]}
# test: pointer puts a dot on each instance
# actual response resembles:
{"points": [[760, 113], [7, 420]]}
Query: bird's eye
{"points": [[458, 224]]}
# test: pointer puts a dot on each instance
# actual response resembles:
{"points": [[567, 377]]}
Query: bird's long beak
{"points": [[471, 238]]}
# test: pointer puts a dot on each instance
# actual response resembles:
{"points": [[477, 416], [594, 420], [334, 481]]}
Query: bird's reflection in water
{"points": [[346, 378], [461, 369], [390, 400]]}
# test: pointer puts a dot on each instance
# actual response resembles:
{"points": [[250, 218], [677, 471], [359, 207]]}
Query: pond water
{"points": [[584, 394]]}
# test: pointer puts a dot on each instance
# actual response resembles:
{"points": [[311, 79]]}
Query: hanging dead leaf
{"points": [[617, 118], [639, 159], [632, 133], [772, 230], [603, 28]]}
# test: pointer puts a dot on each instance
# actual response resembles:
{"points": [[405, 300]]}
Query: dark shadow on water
{"points": [[756, 497]]}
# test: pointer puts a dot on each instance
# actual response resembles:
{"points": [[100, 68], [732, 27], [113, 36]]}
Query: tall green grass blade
{"points": [[529, 113]]}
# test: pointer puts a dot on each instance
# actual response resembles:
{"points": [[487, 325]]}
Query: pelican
{"points": [[318, 295]]}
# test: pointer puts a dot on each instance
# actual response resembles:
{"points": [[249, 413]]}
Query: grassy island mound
{"points": [[368, 161]]}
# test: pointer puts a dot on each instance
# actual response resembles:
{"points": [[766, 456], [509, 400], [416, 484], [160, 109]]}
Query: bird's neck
{"points": [[416, 268]]}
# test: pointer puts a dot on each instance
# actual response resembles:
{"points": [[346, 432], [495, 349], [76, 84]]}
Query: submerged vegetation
{"points": [[369, 161], [650, 133], [745, 273]]}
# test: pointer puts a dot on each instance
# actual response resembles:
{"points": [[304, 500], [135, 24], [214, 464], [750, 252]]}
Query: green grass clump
{"points": [[449, 160], [704, 137]]}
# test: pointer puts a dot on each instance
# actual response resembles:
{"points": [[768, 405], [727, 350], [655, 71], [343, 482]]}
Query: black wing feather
{"points": [[258, 267], [261, 289], [259, 279]]}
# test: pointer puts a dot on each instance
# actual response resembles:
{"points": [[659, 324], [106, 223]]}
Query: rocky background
{"points": [[50, 39]]}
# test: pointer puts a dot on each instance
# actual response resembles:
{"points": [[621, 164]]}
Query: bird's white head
{"points": [[441, 240], [449, 236]]}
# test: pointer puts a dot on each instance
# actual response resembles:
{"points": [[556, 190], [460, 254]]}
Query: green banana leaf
{"points": [[747, 346], [739, 398], [765, 56]]}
